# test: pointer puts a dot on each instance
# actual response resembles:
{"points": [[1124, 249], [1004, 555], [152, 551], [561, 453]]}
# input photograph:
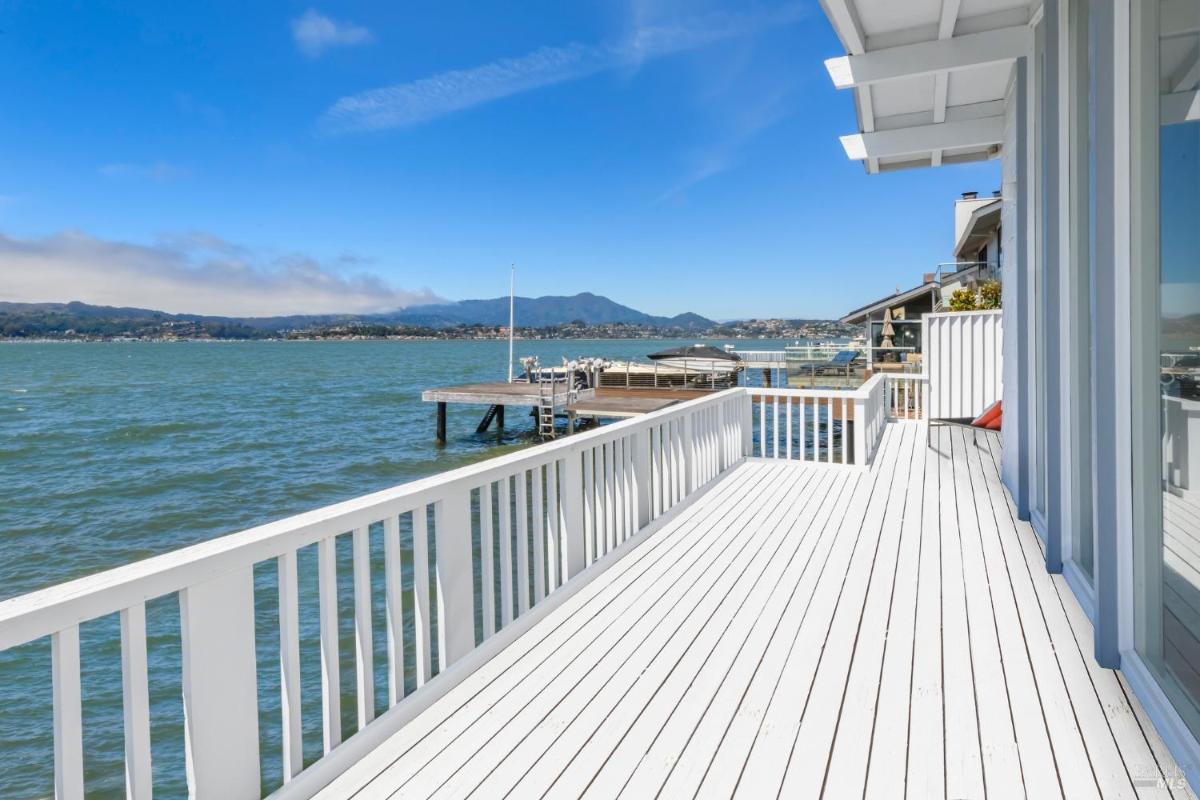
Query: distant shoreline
{"points": [[16, 340]]}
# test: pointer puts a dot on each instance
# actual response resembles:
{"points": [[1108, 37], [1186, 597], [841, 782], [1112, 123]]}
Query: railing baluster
{"points": [[552, 541], [522, 511], [762, 425], [622, 507], [656, 468], [610, 496], [364, 648], [775, 428], [539, 536], [845, 430], [421, 619], [289, 666], [816, 428], [68, 714], [487, 556], [506, 559], [628, 445], [594, 549], [331, 679], [135, 693], [395, 608], [788, 450]]}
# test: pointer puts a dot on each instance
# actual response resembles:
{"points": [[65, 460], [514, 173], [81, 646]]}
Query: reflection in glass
{"points": [[1179, 378]]}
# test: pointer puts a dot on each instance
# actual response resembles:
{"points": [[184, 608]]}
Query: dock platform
{"points": [[601, 403]]}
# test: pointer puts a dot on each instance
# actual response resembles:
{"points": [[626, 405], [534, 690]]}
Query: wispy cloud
{"points": [[315, 33], [740, 125], [160, 171], [192, 273], [421, 100]]}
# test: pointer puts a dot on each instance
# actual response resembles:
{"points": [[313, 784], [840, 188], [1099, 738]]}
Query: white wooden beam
{"points": [[1180, 107], [941, 80], [926, 58], [925, 138], [844, 16], [948, 18]]}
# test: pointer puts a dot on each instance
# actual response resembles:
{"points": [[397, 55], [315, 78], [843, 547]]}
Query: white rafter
{"points": [[983, 132], [844, 16], [926, 58], [941, 81]]}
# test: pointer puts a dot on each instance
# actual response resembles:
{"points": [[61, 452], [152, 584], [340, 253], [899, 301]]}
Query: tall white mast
{"points": [[512, 285]]}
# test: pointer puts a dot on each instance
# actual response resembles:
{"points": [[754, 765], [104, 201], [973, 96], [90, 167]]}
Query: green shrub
{"points": [[962, 300], [989, 295]]}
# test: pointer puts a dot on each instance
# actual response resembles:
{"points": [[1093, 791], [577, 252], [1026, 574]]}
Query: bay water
{"points": [[114, 452]]}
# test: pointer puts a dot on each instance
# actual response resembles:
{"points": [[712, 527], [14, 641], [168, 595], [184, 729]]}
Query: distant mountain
{"points": [[33, 320], [540, 312]]}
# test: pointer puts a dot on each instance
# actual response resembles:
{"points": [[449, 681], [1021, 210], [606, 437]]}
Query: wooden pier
{"points": [[595, 404]]}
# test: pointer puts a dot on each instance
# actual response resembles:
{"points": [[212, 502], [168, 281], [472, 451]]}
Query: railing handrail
{"points": [[40, 613], [861, 393]]}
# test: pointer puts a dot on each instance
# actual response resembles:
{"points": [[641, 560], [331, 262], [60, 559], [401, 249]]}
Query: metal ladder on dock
{"points": [[547, 400]]}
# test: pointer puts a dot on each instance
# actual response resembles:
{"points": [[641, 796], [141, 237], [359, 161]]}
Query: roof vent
{"points": [[969, 195]]}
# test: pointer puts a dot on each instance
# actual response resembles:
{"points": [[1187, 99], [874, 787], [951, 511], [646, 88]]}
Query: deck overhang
{"points": [[929, 77]]}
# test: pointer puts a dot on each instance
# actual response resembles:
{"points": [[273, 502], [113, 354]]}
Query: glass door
{"points": [[1167, 531]]}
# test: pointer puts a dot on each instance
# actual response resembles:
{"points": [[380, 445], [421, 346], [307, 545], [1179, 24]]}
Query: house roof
{"points": [[929, 77], [860, 315], [982, 223]]}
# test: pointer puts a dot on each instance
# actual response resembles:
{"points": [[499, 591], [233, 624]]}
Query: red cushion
{"points": [[989, 414], [994, 425]]}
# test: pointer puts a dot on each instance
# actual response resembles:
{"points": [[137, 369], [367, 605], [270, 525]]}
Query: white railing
{"points": [[756, 358], [538, 517], [492, 548], [907, 395], [817, 425]]}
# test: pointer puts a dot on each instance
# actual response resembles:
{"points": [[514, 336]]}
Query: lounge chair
{"points": [[840, 363], [989, 420]]}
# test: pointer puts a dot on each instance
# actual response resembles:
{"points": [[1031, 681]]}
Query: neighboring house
{"points": [[905, 309], [977, 245], [977, 259]]}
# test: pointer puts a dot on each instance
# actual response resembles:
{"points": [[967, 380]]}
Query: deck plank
{"points": [[801, 630], [925, 772], [964, 756]]}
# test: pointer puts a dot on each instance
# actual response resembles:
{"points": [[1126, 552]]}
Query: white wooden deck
{"points": [[801, 631]]}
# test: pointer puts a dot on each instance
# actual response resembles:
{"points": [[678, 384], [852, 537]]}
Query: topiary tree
{"points": [[989, 295], [962, 300]]}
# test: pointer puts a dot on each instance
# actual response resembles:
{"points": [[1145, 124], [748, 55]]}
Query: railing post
{"points": [[689, 480], [455, 576], [574, 556], [220, 687], [641, 476]]}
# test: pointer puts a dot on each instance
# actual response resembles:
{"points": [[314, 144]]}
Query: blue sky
{"points": [[266, 158]]}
